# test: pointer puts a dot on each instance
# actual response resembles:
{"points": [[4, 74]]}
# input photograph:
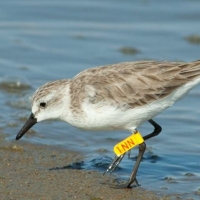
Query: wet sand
{"points": [[28, 171]]}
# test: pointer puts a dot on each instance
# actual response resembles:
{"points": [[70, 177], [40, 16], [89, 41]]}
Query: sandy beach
{"points": [[30, 171]]}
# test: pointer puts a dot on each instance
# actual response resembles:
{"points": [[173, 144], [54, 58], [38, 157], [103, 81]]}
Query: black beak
{"points": [[29, 123]]}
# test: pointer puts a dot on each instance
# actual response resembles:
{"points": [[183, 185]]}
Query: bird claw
{"points": [[127, 185], [114, 163]]}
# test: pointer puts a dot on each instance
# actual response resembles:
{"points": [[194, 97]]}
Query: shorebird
{"points": [[115, 97]]}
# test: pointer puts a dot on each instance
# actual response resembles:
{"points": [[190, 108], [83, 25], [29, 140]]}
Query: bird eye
{"points": [[43, 104]]}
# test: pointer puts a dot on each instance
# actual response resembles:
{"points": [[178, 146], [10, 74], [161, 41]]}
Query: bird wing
{"points": [[132, 84]]}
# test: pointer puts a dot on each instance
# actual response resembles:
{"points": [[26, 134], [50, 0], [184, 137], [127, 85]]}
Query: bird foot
{"points": [[129, 184], [114, 163]]}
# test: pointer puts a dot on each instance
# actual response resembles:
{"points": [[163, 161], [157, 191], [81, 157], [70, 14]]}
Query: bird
{"points": [[118, 96]]}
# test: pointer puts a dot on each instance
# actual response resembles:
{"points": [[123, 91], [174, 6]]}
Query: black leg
{"points": [[157, 130], [132, 178], [142, 147]]}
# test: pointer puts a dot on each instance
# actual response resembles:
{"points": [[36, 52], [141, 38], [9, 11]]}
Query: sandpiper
{"points": [[115, 97]]}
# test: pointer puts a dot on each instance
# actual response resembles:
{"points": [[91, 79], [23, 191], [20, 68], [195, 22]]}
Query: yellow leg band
{"points": [[128, 143]]}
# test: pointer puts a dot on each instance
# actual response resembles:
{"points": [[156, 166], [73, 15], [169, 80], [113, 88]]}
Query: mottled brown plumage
{"points": [[131, 84]]}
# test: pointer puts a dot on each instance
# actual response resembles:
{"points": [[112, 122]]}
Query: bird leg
{"points": [[157, 130], [142, 147], [132, 178]]}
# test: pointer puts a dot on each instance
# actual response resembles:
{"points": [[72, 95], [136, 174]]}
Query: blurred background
{"points": [[46, 40]]}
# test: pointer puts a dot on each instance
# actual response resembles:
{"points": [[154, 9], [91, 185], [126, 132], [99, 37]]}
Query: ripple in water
{"points": [[10, 84]]}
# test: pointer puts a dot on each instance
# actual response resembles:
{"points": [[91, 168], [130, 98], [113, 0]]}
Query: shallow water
{"points": [[46, 40]]}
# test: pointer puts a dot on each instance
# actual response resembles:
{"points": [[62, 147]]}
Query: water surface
{"points": [[47, 40]]}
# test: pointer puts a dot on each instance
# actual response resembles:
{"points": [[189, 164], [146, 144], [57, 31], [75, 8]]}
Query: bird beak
{"points": [[29, 123]]}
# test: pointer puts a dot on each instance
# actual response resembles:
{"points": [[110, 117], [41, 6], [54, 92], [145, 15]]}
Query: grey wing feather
{"points": [[134, 83]]}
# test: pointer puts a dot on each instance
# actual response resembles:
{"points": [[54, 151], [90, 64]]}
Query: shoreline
{"points": [[31, 171]]}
